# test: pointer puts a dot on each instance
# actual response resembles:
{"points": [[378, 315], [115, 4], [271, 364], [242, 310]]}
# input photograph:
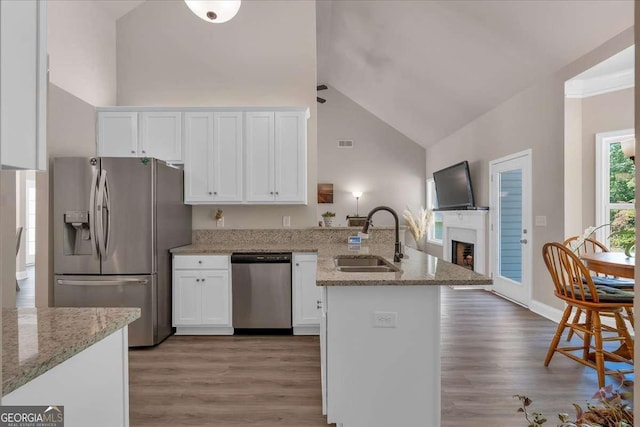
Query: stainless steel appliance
{"points": [[261, 290], [115, 220]]}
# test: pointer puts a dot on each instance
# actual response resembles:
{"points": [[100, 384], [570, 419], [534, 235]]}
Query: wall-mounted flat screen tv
{"points": [[453, 187]]}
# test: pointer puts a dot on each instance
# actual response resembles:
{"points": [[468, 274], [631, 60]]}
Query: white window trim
{"points": [[602, 170], [430, 231]]}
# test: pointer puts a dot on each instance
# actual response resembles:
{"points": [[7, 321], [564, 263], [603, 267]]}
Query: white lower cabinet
{"points": [[202, 295], [306, 295]]}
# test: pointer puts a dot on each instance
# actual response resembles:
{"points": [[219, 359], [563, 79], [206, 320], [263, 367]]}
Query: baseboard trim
{"points": [[306, 330], [544, 310], [203, 330]]}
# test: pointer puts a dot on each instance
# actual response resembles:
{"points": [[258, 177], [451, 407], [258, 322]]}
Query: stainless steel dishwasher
{"points": [[261, 289]]}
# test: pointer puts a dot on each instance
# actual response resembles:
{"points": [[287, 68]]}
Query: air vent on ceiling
{"points": [[345, 143]]}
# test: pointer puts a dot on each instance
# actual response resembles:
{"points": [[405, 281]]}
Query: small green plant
{"points": [[328, 214], [612, 408]]}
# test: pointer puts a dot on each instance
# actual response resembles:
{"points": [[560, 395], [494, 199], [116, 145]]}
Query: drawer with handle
{"points": [[194, 262]]}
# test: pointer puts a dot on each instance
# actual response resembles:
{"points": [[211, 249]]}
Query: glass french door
{"points": [[511, 226]]}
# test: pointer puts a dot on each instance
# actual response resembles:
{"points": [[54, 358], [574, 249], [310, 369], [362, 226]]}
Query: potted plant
{"points": [[327, 217]]}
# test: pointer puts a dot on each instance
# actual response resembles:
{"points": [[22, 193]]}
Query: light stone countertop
{"points": [[416, 268], [34, 340]]}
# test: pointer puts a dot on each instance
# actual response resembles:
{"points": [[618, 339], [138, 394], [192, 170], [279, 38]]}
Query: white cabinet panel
{"points": [[23, 84], [161, 135], [290, 157], [260, 138], [118, 134], [187, 307], [306, 295], [227, 156], [216, 294], [198, 167]]}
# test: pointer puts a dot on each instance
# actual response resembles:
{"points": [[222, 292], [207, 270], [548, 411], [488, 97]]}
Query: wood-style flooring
{"points": [[491, 350]]}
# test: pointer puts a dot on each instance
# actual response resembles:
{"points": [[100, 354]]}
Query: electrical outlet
{"points": [[286, 221], [385, 319], [220, 222]]}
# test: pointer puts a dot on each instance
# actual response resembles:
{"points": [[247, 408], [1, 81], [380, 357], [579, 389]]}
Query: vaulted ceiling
{"points": [[428, 68]]}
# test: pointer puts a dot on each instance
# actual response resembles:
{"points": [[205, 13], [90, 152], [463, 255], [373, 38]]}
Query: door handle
{"points": [[523, 241], [92, 214], [103, 282], [107, 195]]}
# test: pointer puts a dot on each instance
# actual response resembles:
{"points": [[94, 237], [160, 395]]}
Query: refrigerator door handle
{"points": [[92, 214], [107, 197], [118, 282], [99, 215]]}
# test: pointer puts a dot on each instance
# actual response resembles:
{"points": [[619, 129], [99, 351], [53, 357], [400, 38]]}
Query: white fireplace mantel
{"points": [[466, 226]]}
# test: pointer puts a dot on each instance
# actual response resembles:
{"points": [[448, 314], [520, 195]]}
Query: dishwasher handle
{"points": [[261, 258]]}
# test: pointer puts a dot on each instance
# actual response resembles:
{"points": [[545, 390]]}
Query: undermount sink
{"points": [[367, 269], [364, 264]]}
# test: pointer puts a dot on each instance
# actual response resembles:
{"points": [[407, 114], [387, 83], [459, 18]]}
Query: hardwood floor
{"points": [[491, 350]]}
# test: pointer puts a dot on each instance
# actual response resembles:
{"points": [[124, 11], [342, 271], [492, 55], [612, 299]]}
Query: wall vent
{"points": [[345, 143]]}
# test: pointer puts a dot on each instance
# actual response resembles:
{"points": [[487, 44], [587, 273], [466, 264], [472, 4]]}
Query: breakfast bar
{"points": [[76, 358], [380, 337]]}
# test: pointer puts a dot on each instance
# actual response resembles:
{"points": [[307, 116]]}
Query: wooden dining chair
{"points": [[591, 246], [573, 285]]}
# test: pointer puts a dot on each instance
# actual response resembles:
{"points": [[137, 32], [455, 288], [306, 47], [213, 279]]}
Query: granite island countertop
{"points": [[416, 268], [34, 340]]}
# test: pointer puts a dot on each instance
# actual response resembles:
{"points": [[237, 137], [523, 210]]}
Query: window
{"points": [[615, 187], [434, 234]]}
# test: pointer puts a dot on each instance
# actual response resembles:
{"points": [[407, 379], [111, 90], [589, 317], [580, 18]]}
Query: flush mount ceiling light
{"points": [[217, 11]]}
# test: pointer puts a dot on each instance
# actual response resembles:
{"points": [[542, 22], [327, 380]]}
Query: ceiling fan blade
{"points": [[321, 87], [321, 100]]}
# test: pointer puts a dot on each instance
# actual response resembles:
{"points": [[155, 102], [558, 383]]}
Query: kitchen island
{"points": [[380, 338], [71, 357]]}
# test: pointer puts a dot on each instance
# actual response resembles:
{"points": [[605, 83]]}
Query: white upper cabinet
{"points": [[127, 133], [118, 134], [260, 137], [213, 166], [291, 157], [161, 135], [23, 84], [276, 157]]}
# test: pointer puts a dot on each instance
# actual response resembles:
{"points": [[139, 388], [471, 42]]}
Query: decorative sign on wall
{"points": [[325, 193]]}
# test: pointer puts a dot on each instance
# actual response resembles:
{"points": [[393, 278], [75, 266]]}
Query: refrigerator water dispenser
{"points": [[77, 236]]}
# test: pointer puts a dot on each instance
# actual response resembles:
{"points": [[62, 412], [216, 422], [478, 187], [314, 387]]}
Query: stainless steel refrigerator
{"points": [[115, 220]]}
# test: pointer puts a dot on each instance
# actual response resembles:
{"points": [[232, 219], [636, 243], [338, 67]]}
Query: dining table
{"points": [[611, 263]]}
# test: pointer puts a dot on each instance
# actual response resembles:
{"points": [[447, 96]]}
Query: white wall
{"points": [[265, 56], [8, 241], [384, 164], [534, 118], [82, 50], [601, 113]]}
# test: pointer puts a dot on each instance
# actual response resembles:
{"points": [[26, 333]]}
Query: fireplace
{"points": [[462, 253], [466, 228]]}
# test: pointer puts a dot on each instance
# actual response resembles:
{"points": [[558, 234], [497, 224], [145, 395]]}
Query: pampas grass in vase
{"points": [[418, 224]]}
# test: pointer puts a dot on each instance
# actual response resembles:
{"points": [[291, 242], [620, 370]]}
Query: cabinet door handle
{"points": [[277, 193], [202, 280], [133, 152], [271, 192], [143, 152], [209, 192], [318, 304], [215, 192], [297, 264], [200, 262], [197, 280]]}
